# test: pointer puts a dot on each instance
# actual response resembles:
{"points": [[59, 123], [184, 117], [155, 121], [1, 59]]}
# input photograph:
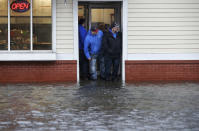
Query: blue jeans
{"points": [[93, 67]]}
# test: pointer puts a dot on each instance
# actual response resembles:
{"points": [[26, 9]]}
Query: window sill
{"points": [[31, 56]]}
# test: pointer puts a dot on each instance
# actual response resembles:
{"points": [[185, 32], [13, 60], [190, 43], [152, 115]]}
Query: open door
{"points": [[101, 14]]}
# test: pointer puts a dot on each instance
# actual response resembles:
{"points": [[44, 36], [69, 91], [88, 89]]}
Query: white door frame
{"points": [[124, 22]]}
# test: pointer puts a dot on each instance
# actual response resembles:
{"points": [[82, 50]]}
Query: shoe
{"points": [[84, 78], [113, 79], [108, 79], [102, 78], [93, 79]]}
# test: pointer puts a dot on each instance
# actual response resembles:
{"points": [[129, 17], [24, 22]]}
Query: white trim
{"points": [[27, 51], [63, 56], [124, 21], [76, 39], [125, 36], [31, 26], [8, 25], [193, 56], [27, 56], [100, 0], [31, 55], [54, 26]]}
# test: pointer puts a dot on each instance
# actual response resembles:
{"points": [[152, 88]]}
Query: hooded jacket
{"points": [[92, 43], [82, 36], [112, 44]]}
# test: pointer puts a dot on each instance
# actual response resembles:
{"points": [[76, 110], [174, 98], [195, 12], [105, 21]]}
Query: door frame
{"points": [[99, 5], [124, 22]]}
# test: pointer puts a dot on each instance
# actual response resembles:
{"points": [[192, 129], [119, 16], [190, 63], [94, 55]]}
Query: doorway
{"points": [[102, 15], [96, 13]]}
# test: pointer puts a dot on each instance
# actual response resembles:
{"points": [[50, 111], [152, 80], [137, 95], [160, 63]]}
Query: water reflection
{"points": [[102, 106]]}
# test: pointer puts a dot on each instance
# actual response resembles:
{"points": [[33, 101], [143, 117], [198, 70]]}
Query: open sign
{"points": [[20, 6]]}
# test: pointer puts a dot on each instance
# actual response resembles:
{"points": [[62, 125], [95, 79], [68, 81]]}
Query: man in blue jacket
{"points": [[83, 62], [92, 45]]}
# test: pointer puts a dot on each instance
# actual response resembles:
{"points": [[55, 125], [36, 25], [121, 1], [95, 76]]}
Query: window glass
{"points": [[42, 25], [81, 11], [3, 24], [19, 28], [102, 17], [83, 14]]}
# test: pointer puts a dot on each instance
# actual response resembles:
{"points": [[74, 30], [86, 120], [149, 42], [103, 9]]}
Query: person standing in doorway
{"points": [[83, 62], [112, 45], [101, 61], [92, 45]]}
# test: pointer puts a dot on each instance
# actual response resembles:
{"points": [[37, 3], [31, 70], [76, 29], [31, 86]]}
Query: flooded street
{"points": [[99, 106]]}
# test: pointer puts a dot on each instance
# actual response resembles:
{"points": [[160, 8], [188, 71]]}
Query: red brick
{"points": [[162, 71], [25, 72]]}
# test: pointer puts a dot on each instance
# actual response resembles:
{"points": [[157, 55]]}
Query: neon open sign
{"points": [[20, 6]]}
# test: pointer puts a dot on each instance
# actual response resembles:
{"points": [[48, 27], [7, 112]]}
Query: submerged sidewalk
{"points": [[99, 106]]}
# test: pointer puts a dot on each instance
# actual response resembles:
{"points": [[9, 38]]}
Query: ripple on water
{"points": [[99, 106]]}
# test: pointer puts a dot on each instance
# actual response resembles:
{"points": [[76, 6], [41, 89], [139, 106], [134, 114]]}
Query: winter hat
{"points": [[114, 25]]}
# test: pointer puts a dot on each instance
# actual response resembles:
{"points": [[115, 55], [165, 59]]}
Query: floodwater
{"points": [[99, 106]]}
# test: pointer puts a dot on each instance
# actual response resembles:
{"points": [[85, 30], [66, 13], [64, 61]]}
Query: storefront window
{"points": [[25, 25], [102, 17], [3, 24], [42, 25], [19, 27]]}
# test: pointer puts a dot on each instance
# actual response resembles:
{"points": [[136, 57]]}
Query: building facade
{"points": [[39, 40]]}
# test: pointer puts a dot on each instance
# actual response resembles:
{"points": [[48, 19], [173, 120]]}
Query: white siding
{"points": [[163, 26], [64, 27]]}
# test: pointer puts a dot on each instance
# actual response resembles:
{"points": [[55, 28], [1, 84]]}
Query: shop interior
{"points": [[20, 24], [101, 14]]}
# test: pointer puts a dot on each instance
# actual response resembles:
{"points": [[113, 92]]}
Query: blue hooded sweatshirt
{"points": [[92, 43], [82, 36], [114, 34]]}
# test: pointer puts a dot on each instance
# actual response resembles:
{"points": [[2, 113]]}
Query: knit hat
{"points": [[114, 25]]}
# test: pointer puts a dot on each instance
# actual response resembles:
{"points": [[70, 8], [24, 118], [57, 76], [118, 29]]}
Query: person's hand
{"points": [[89, 59]]}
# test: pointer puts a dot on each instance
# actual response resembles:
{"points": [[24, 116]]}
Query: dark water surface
{"points": [[99, 106]]}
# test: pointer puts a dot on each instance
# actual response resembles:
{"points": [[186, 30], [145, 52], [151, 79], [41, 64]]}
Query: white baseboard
{"points": [[65, 56], [194, 56], [23, 56]]}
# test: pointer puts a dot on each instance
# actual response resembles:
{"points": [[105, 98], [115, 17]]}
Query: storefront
{"points": [[39, 39], [26, 26]]}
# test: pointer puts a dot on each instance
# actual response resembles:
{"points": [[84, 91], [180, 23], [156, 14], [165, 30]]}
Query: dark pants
{"points": [[111, 63], [101, 65], [83, 64]]}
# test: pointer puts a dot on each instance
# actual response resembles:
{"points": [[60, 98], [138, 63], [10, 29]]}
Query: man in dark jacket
{"points": [[83, 62], [112, 46]]}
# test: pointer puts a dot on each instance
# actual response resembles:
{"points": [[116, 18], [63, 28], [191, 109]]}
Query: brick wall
{"points": [[45, 71], [162, 71], [66, 71]]}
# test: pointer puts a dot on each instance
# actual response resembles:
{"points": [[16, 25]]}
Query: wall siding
{"points": [[64, 27], [163, 26]]}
